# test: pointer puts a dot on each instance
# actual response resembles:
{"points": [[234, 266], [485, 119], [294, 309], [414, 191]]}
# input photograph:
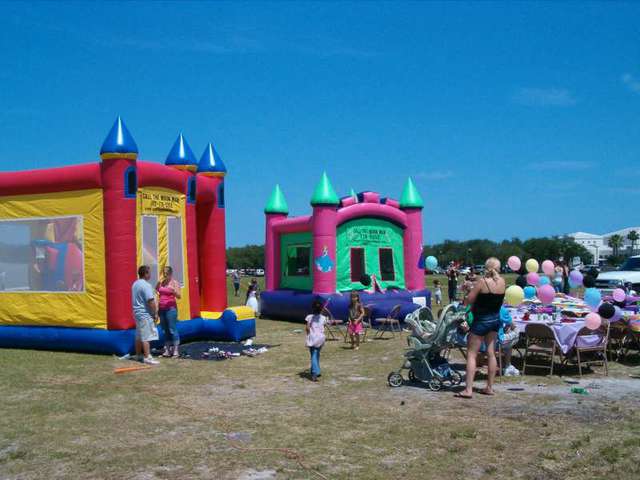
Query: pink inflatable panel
{"points": [[392, 203], [371, 197], [372, 210], [347, 201]]}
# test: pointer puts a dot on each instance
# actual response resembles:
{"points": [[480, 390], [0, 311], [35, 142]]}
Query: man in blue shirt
{"points": [[144, 312]]}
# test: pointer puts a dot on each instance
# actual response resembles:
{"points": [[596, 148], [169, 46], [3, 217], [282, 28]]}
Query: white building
{"points": [[598, 245]]}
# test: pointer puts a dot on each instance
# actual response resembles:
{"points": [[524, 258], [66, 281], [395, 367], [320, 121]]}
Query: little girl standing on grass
{"points": [[437, 292], [356, 314], [315, 336]]}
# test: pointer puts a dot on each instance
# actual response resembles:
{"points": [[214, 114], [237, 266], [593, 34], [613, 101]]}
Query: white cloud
{"points": [[435, 175], [562, 165], [631, 82], [544, 97]]}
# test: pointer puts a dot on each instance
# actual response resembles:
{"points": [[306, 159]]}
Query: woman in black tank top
{"points": [[486, 299]]}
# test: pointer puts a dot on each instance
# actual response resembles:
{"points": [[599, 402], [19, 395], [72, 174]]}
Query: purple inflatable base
{"points": [[295, 305]]}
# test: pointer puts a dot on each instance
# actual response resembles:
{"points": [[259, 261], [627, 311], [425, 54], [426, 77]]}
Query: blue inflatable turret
{"points": [[181, 156], [119, 143], [211, 163]]}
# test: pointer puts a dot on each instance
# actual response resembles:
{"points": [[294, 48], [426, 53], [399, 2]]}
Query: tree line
{"points": [[469, 252], [474, 252]]}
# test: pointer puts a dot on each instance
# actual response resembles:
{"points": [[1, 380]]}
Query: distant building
{"points": [[598, 245]]}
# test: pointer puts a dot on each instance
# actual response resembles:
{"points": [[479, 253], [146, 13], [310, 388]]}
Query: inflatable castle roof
{"points": [[119, 141], [211, 163]]}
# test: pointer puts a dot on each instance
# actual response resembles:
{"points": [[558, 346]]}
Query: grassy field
{"points": [[68, 415]]}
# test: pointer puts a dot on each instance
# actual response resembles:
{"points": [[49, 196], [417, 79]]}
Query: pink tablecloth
{"points": [[565, 333]]}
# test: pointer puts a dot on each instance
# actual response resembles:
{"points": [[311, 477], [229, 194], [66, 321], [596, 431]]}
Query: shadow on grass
{"points": [[306, 374]]}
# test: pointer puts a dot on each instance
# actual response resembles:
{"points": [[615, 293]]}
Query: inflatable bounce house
{"points": [[360, 242], [71, 239]]}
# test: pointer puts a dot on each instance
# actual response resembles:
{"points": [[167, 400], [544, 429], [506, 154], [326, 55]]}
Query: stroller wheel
{"points": [[395, 379], [456, 378], [412, 375], [434, 385]]}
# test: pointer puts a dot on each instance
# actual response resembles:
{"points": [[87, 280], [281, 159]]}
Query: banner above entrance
{"points": [[160, 202]]}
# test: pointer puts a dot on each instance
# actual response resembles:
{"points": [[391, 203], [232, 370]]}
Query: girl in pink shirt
{"points": [[169, 291]]}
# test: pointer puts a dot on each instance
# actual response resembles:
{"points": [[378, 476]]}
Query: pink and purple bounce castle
{"points": [[361, 242]]}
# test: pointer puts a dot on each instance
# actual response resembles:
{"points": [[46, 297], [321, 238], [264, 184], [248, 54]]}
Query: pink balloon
{"points": [[546, 294], [548, 267], [514, 263], [533, 278], [592, 321], [619, 295]]}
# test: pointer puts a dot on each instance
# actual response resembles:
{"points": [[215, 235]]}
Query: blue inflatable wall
{"points": [[120, 342]]}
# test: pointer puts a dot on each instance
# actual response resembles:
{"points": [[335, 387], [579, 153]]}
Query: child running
{"points": [[356, 314]]}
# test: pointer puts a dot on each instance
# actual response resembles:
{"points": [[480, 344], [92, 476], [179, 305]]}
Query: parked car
{"points": [[627, 275], [259, 272], [464, 270], [591, 268], [479, 269]]}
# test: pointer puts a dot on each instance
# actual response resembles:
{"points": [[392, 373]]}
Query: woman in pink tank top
{"points": [[169, 291]]}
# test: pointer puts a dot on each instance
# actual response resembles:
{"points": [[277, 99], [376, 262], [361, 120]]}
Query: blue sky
{"points": [[514, 119]]}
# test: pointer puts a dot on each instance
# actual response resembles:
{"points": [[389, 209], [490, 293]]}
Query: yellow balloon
{"points": [[532, 265], [514, 295]]}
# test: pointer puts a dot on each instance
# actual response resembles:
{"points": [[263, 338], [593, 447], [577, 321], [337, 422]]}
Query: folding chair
{"points": [[366, 321], [389, 323], [592, 341], [540, 341], [333, 325], [618, 332]]}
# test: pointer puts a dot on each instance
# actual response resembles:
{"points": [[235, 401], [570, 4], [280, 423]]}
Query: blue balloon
{"points": [[529, 292], [505, 315], [431, 262], [592, 297], [544, 280]]}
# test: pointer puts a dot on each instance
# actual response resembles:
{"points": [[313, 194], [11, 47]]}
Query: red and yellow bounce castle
{"points": [[71, 239]]}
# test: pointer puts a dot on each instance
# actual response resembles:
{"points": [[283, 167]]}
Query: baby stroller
{"points": [[429, 337]]}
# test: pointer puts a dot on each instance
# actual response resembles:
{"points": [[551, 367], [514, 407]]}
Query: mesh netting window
{"points": [[357, 264], [150, 246], [42, 255], [298, 261], [387, 272], [176, 262]]}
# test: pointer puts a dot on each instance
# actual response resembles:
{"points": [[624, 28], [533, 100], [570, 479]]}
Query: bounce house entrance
{"points": [[161, 230]]}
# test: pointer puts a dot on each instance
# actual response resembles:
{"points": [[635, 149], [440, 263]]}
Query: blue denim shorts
{"points": [[484, 324]]}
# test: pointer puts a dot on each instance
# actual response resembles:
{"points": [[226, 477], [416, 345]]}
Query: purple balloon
{"points": [[576, 277]]}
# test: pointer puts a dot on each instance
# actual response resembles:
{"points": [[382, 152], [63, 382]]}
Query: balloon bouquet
{"points": [[533, 284]]}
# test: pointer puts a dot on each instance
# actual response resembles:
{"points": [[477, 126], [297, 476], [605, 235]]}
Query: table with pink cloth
{"points": [[565, 333]]}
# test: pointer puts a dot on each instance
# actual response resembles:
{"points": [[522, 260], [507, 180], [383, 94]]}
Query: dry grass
{"points": [[68, 416]]}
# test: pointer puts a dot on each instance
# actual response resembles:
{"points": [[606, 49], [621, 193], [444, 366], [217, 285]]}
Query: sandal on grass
{"points": [[462, 395], [484, 391]]}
